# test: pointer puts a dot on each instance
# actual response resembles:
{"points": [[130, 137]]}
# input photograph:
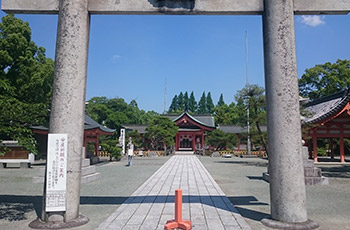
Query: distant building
{"points": [[191, 133], [329, 119], [192, 128]]}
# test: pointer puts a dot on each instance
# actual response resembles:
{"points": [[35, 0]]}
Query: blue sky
{"points": [[131, 57]]}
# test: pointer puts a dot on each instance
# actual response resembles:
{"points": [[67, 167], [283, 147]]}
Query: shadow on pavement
{"points": [[255, 177], [251, 214], [247, 213], [14, 207], [245, 200], [336, 171]]}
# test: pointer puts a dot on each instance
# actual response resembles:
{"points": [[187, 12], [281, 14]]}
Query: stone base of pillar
{"points": [[292, 226], [39, 224]]}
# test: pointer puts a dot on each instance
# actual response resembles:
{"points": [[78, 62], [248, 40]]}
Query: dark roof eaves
{"points": [[337, 108]]}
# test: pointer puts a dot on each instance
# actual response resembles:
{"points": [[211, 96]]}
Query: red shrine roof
{"points": [[201, 119], [327, 108]]}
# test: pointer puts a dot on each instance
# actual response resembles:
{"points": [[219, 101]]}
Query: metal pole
{"points": [[247, 87]]}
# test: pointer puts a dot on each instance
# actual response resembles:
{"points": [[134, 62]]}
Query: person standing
{"points": [[130, 151]]}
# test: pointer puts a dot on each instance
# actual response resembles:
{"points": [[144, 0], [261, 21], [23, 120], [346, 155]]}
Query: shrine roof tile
{"points": [[326, 106], [203, 119]]}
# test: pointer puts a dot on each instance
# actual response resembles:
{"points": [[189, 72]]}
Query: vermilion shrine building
{"points": [[329, 119], [192, 128]]}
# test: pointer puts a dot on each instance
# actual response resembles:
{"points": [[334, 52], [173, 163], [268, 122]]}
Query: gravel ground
{"points": [[20, 199], [240, 179]]}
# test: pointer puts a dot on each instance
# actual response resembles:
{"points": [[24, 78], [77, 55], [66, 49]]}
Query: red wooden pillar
{"points": [[203, 143], [341, 143], [176, 140], [314, 142], [96, 145], [331, 147], [238, 142], [193, 142]]}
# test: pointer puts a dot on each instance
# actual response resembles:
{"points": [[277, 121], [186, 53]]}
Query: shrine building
{"points": [[329, 119], [192, 131]]}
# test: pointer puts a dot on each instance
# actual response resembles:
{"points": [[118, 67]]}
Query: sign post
{"points": [[122, 140], [56, 173]]}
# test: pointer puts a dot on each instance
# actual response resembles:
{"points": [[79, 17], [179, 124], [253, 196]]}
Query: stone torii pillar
{"points": [[287, 187]]}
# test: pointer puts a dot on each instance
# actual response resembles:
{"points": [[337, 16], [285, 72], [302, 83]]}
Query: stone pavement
{"points": [[152, 204]]}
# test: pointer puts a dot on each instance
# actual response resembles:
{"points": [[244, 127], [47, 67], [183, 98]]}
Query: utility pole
{"points": [[247, 87], [164, 112]]}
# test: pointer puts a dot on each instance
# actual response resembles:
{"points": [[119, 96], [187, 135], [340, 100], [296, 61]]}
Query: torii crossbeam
{"points": [[287, 187], [219, 7]]}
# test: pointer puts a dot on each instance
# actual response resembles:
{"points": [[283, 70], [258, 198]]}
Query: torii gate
{"points": [[287, 188]]}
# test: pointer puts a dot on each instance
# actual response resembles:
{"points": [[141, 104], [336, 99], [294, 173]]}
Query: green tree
{"points": [[25, 83], [326, 79], [192, 103], [180, 102], [221, 100], [186, 102], [174, 107], [161, 132], [226, 114], [254, 98], [147, 117], [209, 104], [202, 104], [114, 112], [221, 140]]}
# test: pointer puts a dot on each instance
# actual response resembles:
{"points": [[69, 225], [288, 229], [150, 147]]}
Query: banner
{"points": [[56, 172]]}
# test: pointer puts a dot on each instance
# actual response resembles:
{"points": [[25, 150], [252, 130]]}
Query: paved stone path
{"points": [[152, 204]]}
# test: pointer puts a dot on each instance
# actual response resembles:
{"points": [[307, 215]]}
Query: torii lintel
{"points": [[201, 7]]}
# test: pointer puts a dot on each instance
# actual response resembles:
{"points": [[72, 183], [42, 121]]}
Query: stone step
{"points": [[184, 152], [88, 170], [312, 172], [90, 178], [85, 162], [316, 180]]}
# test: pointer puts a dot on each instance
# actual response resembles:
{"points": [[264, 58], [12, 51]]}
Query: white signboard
{"points": [[56, 173], [122, 140]]}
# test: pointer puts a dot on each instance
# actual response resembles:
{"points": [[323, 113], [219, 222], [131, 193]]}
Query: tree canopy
{"points": [[209, 104], [325, 79], [161, 132], [253, 97], [115, 112], [202, 104], [26, 77]]}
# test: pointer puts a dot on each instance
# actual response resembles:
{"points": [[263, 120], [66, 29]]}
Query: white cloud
{"points": [[313, 20], [115, 58]]}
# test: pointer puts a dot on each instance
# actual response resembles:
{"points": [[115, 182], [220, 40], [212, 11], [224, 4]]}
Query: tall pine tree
{"points": [[174, 105], [186, 101], [221, 100], [209, 104], [202, 105], [192, 103], [180, 101]]}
